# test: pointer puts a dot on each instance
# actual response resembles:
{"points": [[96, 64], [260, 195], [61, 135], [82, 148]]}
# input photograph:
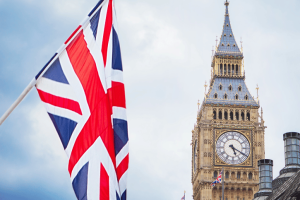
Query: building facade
{"points": [[287, 185], [229, 131]]}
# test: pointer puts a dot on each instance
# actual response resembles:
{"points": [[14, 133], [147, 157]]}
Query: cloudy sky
{"points": [[166, 47]]}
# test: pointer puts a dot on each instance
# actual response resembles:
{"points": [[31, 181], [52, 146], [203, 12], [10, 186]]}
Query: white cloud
{"points": [[44, 138], [46, 153], [71, 8], [146, 31]]}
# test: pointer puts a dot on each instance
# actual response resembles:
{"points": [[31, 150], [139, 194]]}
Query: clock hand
{"points": [[240, 152], [231, 146]]}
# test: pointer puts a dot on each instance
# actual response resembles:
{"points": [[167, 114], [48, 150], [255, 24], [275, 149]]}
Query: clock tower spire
{"points": [[228, 132]]}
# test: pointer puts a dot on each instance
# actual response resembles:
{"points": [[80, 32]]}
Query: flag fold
{"points": [[218, 180], [83, 91]]}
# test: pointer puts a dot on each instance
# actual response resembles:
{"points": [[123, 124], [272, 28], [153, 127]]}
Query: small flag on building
{"points": [[183, 198], [218, 180]]}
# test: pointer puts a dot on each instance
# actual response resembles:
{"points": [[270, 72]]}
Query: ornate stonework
{"points": [[227, 107]]}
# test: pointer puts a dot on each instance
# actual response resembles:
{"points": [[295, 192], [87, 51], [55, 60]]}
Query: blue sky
{"points": [[166, 47]]}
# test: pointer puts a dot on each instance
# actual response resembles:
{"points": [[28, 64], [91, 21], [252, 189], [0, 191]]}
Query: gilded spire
{"points": [[228, 45], [226, 4]]}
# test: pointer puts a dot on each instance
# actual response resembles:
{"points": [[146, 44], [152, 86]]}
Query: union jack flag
{"points": [[183, 198], [83, 92], [218, 180]]}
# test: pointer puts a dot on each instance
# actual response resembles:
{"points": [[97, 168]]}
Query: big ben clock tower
{"points": [[229, 131]]}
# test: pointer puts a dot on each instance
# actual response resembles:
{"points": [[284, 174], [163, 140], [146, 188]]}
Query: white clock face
{"points": [[233, 148]]}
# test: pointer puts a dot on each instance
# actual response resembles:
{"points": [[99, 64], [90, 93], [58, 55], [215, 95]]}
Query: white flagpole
{"points": [[60, 50], [223, 180], [18, 101]]}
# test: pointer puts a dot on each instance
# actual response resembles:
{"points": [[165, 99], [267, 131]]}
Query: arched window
{"points": [[231, 115], [215, 95], [226, 115], [225, 69], [237, 70], [221, 69], [220, 87], [220, 114], [227, 175], [215, 114], [232, 175], [236, 97], [232, 69], [246, 97], [225, 96], [240, 88], [250, 176], [248, 116], [230, 88], [215, 174], [229, 69], [237, 115], [238, 175], [243, 116]]}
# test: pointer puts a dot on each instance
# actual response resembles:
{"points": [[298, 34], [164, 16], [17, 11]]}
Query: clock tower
{"points": [[229, 131]]}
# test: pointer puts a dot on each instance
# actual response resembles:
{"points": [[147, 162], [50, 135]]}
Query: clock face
{"points": [[233, 148]]}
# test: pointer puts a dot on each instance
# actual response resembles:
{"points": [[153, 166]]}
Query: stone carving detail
{"points": [[215, 118]]}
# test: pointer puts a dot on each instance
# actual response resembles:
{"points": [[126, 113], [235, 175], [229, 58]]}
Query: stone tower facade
{"points": [[229, 131]]}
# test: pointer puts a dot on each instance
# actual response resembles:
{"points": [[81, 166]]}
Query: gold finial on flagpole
{"points": [[242, 44], [205, 87], [257, 88]]}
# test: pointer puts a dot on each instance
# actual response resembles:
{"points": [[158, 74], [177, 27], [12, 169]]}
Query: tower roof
{"points": [[229, 91], [228, 45]]}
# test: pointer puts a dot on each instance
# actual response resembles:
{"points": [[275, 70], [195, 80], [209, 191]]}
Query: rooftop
{"points": [[230, 91], [227, 45]]}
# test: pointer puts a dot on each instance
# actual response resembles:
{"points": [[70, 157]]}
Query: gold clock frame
{"points": [[247, 133]]}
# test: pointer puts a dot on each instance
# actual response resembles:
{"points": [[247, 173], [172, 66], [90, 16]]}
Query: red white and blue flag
{"points": [[218, 180], [83, 91], [183, 198]]}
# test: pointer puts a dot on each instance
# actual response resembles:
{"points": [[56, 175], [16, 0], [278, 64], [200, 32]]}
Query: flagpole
{"points": [[60, 50], [18, 101], [223, 180]]}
